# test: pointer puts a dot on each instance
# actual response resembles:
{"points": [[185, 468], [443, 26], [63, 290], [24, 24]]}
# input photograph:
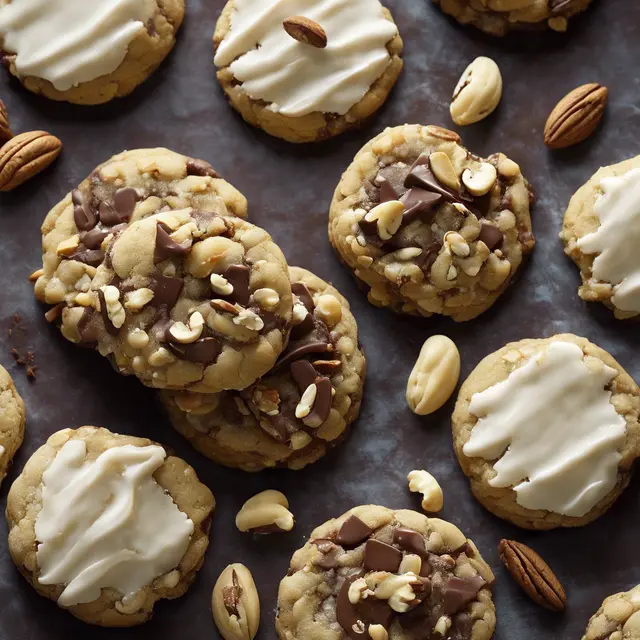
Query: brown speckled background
{"points": [[289, 190]]}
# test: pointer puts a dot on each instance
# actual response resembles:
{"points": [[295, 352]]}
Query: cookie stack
{"points": [[151, 263]]}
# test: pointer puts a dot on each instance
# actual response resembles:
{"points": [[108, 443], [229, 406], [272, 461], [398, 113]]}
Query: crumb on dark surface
{"points": [[17, 333]]}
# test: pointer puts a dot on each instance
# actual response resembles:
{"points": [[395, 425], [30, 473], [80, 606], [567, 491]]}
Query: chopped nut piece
{"points": [[267, 299], [35, 275], [187, 334], [306, 402], [421, 481], [249, 320], [220, 284], [378, 632], [329, 309], [67, 247], [115, 310], [396, 589], [388, 217], [137, 299], [443, 170], [480, 181]]}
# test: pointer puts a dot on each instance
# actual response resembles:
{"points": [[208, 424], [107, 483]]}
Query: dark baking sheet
{"points": [[289, 190]]}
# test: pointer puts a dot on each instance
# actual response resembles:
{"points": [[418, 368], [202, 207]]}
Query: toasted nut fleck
{"points": [[225, 307], [54, 313], [267, 299], [68, 246], [443, 170], [266, 509], [388, 217], [420, 481], [443, 625], [477, 93], [35, 275], [137, 299], [434, 375], [306, 31], [329, 309], [248, 319], [480, 181], [235, 603], [220, 284]]}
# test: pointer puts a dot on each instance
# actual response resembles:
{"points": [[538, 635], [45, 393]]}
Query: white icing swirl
{"points": [[68, 42], [107, 522], [552, 430], [297, 78], [617, 239]]}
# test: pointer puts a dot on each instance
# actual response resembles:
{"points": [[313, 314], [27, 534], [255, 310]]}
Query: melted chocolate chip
{"points": [[93, 239], [166, 290], [124, 202], [410, 541], [459, 592], [346, 613], [491, 236], [370, 229], [200, 168], [238, 277], [417, 202], [108, 215], [329, 554], [390, 182], [92, 257], [386, 189], [322, 404], [303, 328], [87, 329], [204, 351], [108, 325], [315, 346], [352, 532], [304, 374], [380, 556], [166, 247], [300, 289], [83, 215]]}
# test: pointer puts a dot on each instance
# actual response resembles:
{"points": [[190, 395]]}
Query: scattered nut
{"points": [[434, 375], [220, 284], [411, 563], [5, 130], [480, 181], [235, 603], [421, 481], [266, 512], [306, 31], [67, 247], [329, 309], [443, 170], [188, 334], [267, 299], [388, 217], [477, 93], [249, 320]]}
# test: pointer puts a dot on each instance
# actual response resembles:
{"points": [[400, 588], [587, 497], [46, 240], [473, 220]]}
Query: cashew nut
{"points": [[421, 481], [266, 509], [477, 93]]}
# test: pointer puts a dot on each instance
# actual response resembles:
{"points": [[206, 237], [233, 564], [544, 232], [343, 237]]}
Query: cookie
{"points": [[129, 186], [601, 232], [378, 573], [338, 71], [183, 299], [259, 427], [617, 619], [114, 47], [106, 525], [547, 431], [498, 17], [428, 227], [12, 419]]}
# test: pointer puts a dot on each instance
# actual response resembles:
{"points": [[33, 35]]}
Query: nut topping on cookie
{"points": [[306, 31], [235, 604]]}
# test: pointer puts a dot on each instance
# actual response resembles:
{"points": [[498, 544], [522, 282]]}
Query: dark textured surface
{"points": [[289, 190]]}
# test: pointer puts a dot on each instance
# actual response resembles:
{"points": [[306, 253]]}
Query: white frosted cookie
{"points": [[601, 232], [87, 52], [12, 419], [105, 525], [295, 90], [547, 431]]}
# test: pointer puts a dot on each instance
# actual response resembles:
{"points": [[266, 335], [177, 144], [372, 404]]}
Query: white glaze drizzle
{"points": [[68, 42], [297, 78], [107, 522], [552, 430], [617, 239]]}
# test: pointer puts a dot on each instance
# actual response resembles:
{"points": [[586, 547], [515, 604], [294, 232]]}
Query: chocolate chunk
{"points": [[124, 202], [108, 215], [346, 613], [491, 236], [93, 239], [418, 201], [84, 217], [380, 556], [166, 290], [303, 373], [410, 541], [204, 351], [88, 330], [322, 404], [329, 551], [422, 177], [200, 168], [276, 426], [300, 289], [315, 346], [238, 277], [459, 592], [352, 532], [92, 257], [303, 328], [374, 611], [108, 325], [369, 229], [386, 190], [390, 182], [166, 247]]}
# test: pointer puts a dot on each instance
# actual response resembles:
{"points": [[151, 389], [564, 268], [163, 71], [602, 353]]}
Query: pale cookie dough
{"points": [[498, 17], [294, 90], [12, 419], [428, 227], [86, 52], [617, 619], [601, 232], [257, 427], [105, 525], [376, 573], [547, 431], [184, 299], [128, 187]]}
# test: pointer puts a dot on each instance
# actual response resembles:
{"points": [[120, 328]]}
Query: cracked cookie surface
{"points": [[258, 427], [418, 578], [617, 619], [184, 299], [601, 231], [169, 483], [12, 419], [117, 45], [498, 17], [547, 431], [294, 90], [428, 227]]}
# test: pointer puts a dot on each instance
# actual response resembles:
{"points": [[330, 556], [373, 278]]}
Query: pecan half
{"points": [[5, 131], [533, 574]]}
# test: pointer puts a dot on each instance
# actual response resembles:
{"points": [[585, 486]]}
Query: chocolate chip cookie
{"points": [[428, 227], [106, 525], [114, 47], [547, 431], [12, 419], [378, 573], [301, 408], [617, 619], [183, 299], [498, 17], [306, 71], [601, 232]]}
